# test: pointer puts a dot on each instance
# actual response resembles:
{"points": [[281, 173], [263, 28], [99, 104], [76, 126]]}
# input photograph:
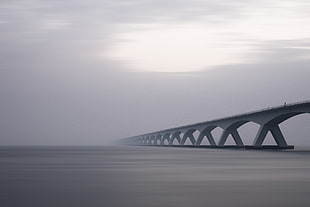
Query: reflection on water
{"points": [[152, 176]]}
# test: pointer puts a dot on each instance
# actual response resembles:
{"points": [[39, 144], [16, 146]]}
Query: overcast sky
{"points": [[92, 71]]}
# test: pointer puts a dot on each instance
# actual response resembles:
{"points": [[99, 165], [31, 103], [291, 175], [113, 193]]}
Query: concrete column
{"points": [[158, 137], [188, 134], [275, 131], [207, 133], [165, 137], [175, 135], [137, 141], [235, 135], [144, 141], [153, 140]]}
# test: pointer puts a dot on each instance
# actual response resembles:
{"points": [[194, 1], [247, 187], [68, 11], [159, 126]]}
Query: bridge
{"points": [[267, 119]]}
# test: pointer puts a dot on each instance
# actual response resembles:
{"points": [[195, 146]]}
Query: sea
{"points": [[141, 176]]}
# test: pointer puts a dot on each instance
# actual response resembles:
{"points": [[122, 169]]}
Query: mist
{"points": [[58, 88]]}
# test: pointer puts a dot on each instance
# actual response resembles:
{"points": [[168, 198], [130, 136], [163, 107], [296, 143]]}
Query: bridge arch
{"points": [[152, 140], [272, 126], [232, 130], [148, 140], [294, 130], [189, 134], [248, 131], [158, 138], [166, 137], [175, 135], [206, 132], [283, 117]]}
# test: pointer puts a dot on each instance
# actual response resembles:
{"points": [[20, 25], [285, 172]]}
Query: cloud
{"points": [[284, 51]]}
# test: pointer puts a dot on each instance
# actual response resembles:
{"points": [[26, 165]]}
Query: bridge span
{"points": [[268, 120]]}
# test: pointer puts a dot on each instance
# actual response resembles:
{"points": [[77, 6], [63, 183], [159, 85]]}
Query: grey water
{"points": [[152, 176]]}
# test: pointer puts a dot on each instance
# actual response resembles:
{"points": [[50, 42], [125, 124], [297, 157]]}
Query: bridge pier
{"points": [[275, 131], [148, 140], [206, 133], [175, 135], [235, 134], [189, 134], [165, 137], [158, 138]]}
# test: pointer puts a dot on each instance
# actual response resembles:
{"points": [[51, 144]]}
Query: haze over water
{"points": [[152, 176], [89, 72]]}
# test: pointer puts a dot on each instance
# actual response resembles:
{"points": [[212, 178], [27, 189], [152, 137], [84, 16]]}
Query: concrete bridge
{"points": [[268, 120]]}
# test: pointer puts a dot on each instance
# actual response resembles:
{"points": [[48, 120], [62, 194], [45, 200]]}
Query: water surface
{"points": [[152, 176]]}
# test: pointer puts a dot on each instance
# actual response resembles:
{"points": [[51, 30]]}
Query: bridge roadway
{"points": [[268, 120]]}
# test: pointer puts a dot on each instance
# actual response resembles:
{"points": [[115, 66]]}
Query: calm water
{"points": [[152, 176]]}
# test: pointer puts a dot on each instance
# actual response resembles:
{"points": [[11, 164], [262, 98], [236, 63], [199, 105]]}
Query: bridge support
{"points": [[275, 131], [189, 134], [235, 135], [146, 140], [165, 137], [158, 138], [206, 132], [175, 135]]}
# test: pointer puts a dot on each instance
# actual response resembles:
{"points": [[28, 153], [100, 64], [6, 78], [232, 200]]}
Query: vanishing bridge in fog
{"points": [[268, 119]]}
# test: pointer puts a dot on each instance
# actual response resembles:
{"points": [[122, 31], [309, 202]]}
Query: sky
{"points": [[77, 72]]}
